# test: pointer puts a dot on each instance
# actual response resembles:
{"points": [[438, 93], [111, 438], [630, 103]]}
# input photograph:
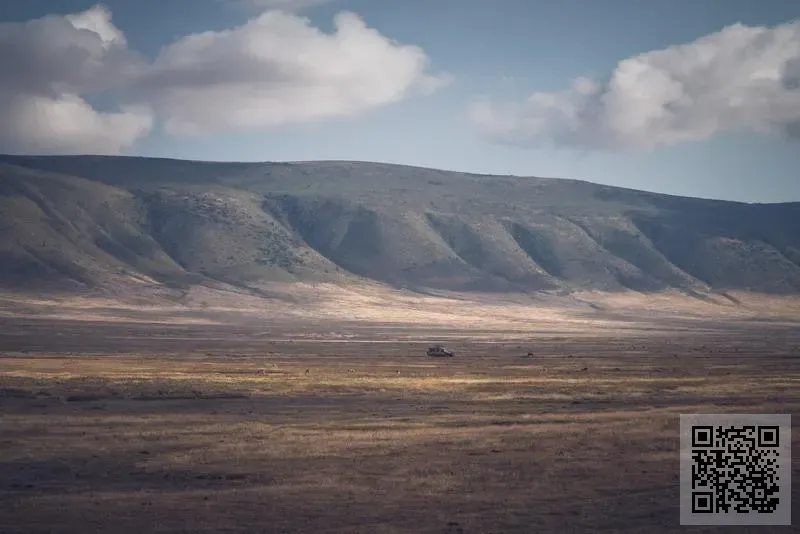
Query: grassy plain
{"points": [[129, 427]]}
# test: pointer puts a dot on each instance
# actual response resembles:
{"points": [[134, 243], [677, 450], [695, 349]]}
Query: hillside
{"points": [[68, 223]]}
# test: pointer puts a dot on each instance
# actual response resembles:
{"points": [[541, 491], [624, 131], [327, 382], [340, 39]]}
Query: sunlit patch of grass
{"points": [[131, 377], [356, 435]]}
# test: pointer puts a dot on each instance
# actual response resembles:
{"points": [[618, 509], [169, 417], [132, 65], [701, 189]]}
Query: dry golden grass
{"points": [[374, 438], [372, 303]]}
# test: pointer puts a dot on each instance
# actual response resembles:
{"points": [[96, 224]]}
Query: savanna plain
{"points": [[282, 426]]}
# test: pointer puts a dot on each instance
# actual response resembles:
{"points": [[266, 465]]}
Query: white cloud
{"points": [[98, 20], [283, 5], [66, 124], [277, 69], [49, 65], [739, 79], [274, 70]]}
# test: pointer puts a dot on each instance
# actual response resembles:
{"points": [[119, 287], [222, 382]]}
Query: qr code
{"points": [[735, 469]]}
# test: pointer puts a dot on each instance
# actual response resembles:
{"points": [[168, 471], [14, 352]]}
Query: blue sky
{"points": [[479, 55]]}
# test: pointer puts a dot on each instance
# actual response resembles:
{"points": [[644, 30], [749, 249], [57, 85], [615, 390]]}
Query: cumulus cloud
{"points": [[67, 125], [274, 70], [283, 5], [277, 69], [50, 64], [98, 21], [739, 79]]}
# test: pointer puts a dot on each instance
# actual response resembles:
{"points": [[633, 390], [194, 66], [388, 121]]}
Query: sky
{"points": [[687, 97]]}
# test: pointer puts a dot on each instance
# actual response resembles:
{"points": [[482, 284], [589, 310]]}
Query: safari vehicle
{"points": [[440, 351]]}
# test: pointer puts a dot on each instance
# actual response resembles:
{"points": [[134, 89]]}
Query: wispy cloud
{"points": [[739, 79]]}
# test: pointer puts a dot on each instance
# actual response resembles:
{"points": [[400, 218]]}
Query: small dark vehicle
{"points": [[440, 351]]}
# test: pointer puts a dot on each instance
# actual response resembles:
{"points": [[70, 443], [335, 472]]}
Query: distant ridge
{"points": [[76, 222]]}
